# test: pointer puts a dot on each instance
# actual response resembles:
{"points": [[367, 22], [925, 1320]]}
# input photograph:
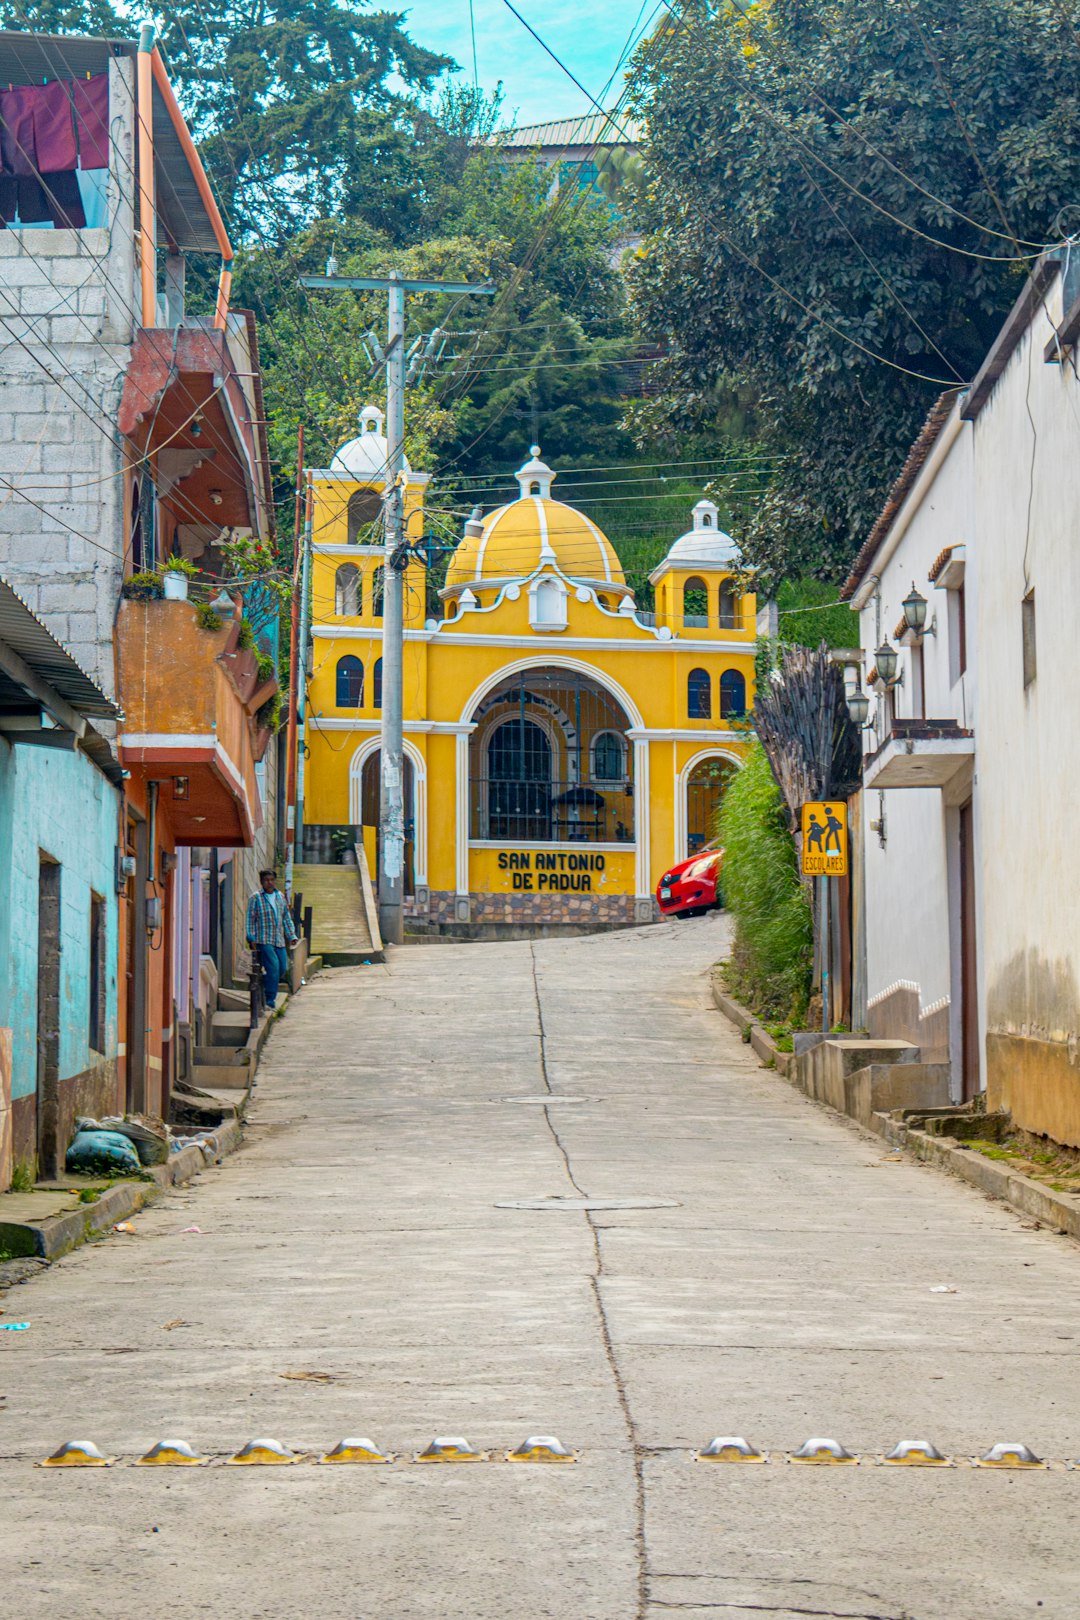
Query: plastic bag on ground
{"points": [[94, 1153]]}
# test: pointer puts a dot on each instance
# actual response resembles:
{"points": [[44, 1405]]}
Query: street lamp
{"points": [[858, 707], [914, 607], [886, 659]]}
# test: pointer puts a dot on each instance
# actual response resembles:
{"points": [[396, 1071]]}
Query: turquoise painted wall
{"points": [[59, 804]]}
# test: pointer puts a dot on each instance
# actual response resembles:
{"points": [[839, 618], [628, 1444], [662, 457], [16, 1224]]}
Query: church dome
{"points": [[366, 457], [515, 540], [705, 542]]}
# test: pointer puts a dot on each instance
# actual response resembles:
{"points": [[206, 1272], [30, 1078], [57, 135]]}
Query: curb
{"points": [[57, 1235], [1059, 1211], [760, 1039]]}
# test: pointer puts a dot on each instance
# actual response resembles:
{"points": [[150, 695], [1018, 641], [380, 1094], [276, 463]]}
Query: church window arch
{"points": [[347, 590], [696, 603], [365, 506], [699, 695], [732, 694], [349, 692]]}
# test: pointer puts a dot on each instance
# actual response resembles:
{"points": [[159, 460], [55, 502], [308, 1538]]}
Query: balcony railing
{"points": [[552, 812]]}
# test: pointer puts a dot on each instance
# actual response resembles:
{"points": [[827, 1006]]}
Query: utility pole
{"points": [[294, 673], [391, 876]]}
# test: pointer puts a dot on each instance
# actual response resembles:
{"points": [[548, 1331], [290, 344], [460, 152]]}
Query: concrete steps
{"points": [[343, 927]]}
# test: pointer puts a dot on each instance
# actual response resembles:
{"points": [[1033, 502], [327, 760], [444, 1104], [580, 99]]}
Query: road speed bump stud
{"points": [[170, 1454], [822, 1451], [1009, 1454], [261, 1453], [731, 1448], [917, 1454], [356, 1451], [541, 1448], [77, 1454], [450, 1449]]}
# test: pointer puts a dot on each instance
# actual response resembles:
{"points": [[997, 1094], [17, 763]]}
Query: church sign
{"points": [[562, 870]]}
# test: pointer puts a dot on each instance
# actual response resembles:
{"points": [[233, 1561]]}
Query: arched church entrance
{"points": [[706, 785], [550, 762], [370, 791]]}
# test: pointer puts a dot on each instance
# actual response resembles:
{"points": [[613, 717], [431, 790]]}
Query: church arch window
{"points": [[365, 507], [377, 591], [699, 695], [347, 590], [696, 604], [349, 692], [729, 607], [732, 694], [376, 684], [608, 757], [550, 763]]}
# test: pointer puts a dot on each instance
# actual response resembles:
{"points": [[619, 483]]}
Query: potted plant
{"points": [[176, 575], [143, 587]]}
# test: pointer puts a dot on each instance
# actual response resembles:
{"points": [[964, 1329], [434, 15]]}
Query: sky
{"points": [[589, 37]]}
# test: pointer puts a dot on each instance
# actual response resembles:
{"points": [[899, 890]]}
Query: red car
{"points": [[692, 887]]}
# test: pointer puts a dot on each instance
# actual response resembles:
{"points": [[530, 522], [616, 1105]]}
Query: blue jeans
{"points": [[274, 960]]}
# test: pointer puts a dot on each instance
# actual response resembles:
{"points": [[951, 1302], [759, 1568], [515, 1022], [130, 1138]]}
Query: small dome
{"points": [[706, 542], [515, 540], [365, 457]]}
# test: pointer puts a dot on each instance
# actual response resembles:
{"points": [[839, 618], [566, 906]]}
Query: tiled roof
{"points": [[939, 562]]}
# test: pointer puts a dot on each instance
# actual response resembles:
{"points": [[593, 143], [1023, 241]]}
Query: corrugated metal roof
{"points": [[25, 634], [596, 129], [31, 58]]}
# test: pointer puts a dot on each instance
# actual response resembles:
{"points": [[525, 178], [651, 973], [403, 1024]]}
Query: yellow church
{"points": [[563, 749]]}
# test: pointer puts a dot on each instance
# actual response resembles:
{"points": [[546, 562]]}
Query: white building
{"points": [[968, 880]]}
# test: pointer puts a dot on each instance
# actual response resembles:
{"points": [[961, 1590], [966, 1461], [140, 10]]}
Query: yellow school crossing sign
{"points": [[824, 838]]}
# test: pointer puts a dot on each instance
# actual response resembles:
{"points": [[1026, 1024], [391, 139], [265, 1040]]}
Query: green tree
{"points": [[844, 200], [301, 108]]}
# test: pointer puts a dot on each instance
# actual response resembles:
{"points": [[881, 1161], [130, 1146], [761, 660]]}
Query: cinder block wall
{"points": [[68, 301]]}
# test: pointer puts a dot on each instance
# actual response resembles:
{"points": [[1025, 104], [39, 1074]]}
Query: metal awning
{"points": [[40, 651]]}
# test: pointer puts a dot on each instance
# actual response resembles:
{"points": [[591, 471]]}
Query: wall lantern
{"points": [[914, 607], [180, 787], [886, 659], [858, 707]]}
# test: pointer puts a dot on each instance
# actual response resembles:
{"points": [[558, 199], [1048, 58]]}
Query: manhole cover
{"points": [[588, 1203], [541, 1102]]}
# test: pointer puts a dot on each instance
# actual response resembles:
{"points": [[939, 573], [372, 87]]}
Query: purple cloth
{"points": [[17, 130], [92, 120], [54, 129], [63, 200]]}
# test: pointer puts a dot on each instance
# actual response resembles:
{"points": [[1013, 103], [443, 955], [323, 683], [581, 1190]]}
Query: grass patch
{"points": [[771, 958]]}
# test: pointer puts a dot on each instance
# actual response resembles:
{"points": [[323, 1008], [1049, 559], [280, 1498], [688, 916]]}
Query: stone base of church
{"points": [[494, 913]]}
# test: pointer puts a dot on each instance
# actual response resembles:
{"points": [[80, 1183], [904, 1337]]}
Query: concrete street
{"points": [[784, 1291]]}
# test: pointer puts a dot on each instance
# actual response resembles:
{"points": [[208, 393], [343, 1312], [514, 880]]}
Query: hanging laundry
{"points": [[17, 130], [54, 126], [91, 97]]}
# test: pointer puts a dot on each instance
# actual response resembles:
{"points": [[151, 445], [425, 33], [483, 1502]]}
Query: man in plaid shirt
{"points": [[269, 931]]}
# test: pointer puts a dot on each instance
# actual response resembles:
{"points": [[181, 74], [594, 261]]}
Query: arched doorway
{"points": [[370, 793], [550, 761], [706, 783]]}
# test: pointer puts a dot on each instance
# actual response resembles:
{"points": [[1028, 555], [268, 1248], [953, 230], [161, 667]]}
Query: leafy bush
{"points": [[206, 618], [773, 952], [143, 587], [180, 565]]}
